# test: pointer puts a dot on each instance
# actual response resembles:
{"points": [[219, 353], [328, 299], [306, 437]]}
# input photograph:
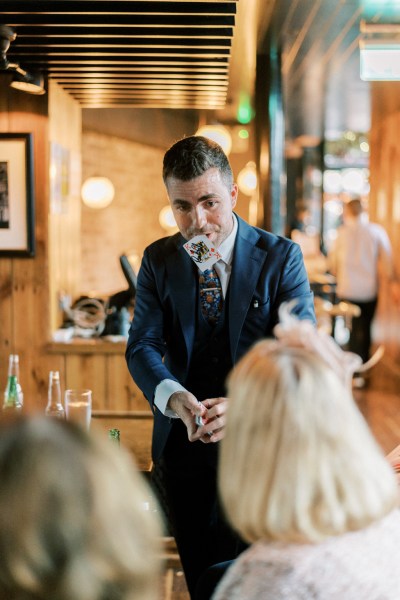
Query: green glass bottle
{"points": [[114, 435], [13, 397]]}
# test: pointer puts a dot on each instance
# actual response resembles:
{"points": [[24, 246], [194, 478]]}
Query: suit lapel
{"points": [[180, 270], [248, 261]]}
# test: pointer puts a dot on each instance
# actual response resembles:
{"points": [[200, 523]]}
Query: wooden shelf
{"points": [[86, 346]]}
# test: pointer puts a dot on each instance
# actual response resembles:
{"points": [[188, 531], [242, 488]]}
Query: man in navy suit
{"points": [[180, 361]]}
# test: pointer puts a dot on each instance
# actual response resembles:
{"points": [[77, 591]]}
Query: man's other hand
{"points": [[214, 420], [187, 407]]}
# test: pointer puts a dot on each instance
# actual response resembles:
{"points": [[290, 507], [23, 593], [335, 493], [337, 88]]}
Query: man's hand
{"points": [[214, 420], [187, 407]]}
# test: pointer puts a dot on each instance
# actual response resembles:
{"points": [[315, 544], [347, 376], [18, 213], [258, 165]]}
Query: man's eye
{"points": [[211, 203]]}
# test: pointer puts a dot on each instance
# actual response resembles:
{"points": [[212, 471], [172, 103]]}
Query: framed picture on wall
{"points": [[17, 216]]}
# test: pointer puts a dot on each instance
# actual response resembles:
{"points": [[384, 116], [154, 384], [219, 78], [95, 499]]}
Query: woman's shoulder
{"points": [[340, 568], [259, 572]]}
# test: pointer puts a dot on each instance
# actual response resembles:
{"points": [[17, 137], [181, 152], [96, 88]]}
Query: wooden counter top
{"points": [[87, 346], [135, 429]]}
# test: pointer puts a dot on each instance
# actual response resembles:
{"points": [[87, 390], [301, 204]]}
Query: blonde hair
{"points": [[72, 518], [298, 462]]}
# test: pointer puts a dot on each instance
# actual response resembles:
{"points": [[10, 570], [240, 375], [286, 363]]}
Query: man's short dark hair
{"points": [[354, 206], [192, 156]]}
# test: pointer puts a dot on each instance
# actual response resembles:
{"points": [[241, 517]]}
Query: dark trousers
{"points": [[360, 335], [210, 579], [202, 535]]}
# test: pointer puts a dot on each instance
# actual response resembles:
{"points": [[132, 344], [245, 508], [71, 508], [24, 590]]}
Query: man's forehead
{"points": [[197, 188], [212, 175]]}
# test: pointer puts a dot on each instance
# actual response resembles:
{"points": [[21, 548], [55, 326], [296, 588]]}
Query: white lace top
{"points": [[363, 565]]}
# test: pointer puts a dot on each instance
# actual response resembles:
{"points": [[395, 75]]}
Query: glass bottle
{"points": [[114, 435], [13, 396], [54, 406]]}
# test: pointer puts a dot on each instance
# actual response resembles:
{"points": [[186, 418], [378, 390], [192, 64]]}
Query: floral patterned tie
{"points": [[211, 299]]}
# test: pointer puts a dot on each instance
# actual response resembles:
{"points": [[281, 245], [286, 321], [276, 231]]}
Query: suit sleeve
{"points": [[294, 285], [146, 343]]}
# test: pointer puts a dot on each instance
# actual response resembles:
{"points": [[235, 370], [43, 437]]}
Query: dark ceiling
{"points": [[323, 92], [120, 53], [201, 55]]}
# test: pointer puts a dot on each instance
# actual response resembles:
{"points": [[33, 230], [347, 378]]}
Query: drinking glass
{"points": [[78, 406]]}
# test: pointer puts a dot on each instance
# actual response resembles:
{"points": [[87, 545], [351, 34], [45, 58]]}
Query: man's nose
{"points": [[199, 217]]}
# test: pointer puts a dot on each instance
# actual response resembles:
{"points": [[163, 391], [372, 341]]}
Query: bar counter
{"points": [[98, 364], [87, 346]]}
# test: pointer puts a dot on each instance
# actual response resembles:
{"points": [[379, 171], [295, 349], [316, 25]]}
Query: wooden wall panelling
{"points": [[30, 294], [6, 319], [385, 199], [88, 371], [64, 223], [29, 281], [123, 393], [6, 315], [4, 104], [24, 283], [100, 365]]}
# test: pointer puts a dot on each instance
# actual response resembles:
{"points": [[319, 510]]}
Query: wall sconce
{"points": [[167, 220], [97, 192], [7, 36], [247, 179], [33, 83], [219, 134]]}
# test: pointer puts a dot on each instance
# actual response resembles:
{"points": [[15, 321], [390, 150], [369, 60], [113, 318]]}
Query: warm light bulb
{"points": [[247, 179], [218, 134], [97, 192], [167, 219]]}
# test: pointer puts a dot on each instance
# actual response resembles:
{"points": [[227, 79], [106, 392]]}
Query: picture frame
{"points": [[17, 214]]}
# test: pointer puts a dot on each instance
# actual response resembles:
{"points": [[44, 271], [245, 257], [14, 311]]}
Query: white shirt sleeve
{"points": [[163, 392]]}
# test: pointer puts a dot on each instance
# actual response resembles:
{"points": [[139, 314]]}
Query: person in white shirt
{"points": [[354, 258]]}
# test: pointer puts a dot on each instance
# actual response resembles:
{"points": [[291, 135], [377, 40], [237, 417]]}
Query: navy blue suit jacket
{"points": [[266, 271]]}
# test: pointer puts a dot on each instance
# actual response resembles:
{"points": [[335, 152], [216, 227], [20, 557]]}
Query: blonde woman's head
{"points": [[298, 462], [72, 518]]}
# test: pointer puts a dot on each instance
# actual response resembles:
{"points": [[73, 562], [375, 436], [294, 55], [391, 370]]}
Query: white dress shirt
{"points": [[354, 258], [223, 266]]}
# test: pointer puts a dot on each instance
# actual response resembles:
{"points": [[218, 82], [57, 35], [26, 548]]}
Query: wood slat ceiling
{"points": [[118, 53]]}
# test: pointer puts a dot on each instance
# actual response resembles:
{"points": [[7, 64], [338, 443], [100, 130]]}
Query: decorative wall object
{"points": [[97, 192], [59, 179], [17, 226]]}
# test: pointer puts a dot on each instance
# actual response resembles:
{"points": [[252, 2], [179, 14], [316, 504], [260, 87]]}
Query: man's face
{"points": [[203, 206]]}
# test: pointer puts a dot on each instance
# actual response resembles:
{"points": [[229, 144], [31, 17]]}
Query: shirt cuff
{"points": [[163, 392]]}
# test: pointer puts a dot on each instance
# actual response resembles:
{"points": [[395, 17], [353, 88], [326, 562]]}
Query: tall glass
{"points": [[78, 406]]}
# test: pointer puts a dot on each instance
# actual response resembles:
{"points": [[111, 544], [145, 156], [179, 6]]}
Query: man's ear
{"points": [[234, 194]]}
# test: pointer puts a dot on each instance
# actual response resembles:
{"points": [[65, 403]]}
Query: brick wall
{"points": [[131, 220]]}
